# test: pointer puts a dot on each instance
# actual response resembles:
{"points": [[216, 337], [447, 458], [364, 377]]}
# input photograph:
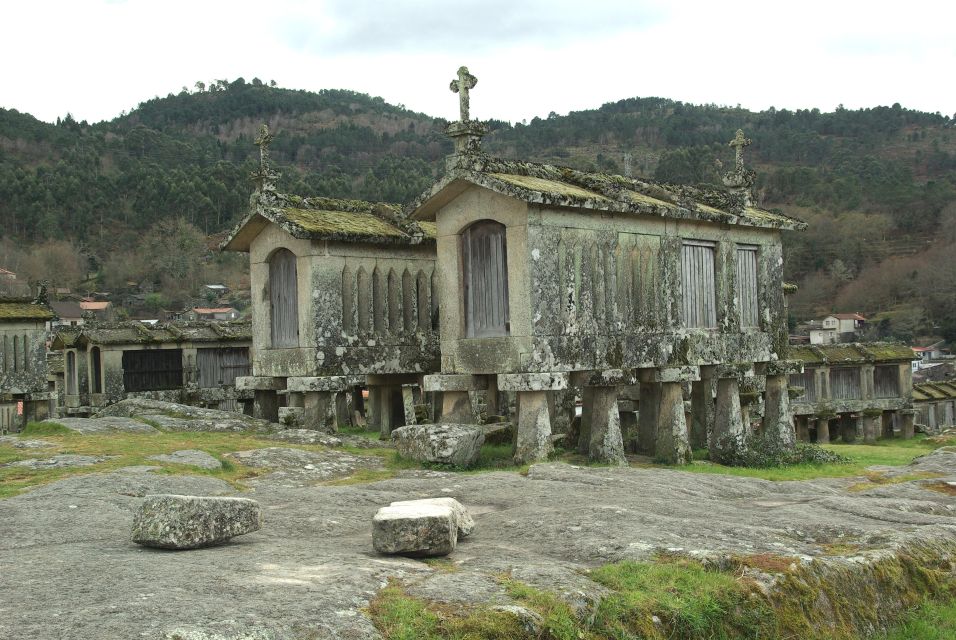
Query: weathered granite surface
{"points": [[192, 457], [181, 417], [311, 571], [310, 436], [58, 462], [25, 443], [299, 468], [111, 424], [191, 522]]}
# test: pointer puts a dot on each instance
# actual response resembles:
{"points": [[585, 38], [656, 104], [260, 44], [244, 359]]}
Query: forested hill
{"points": [[878, 185]]}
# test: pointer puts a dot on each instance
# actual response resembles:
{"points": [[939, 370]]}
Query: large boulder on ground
{"points": [[454, 444], [463, 519], [191, 522], [415, 529]]}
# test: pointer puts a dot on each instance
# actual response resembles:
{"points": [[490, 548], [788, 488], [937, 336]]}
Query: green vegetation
{"points": [[128, 449], [45, 429], [675, 597], [929, 621], [894, 452], [688, 600]]}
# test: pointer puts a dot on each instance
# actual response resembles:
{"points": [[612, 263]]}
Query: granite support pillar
{"points": [[703, 409], [533, 441]]}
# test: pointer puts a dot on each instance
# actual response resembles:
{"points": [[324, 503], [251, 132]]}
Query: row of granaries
{"points": [[622, 314]]}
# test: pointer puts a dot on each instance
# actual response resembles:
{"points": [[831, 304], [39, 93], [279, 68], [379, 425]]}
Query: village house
{"points": [[68, 314], [837, 327], [194, 363], [342, 297], [24, 393], [99, 309], [853, 390], [220, 314], [553, 278]]}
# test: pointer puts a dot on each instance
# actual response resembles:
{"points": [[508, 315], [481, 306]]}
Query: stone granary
{"points": [[864, 390], [342, 295], [551, 277], [194, 363], [935, 404], [24, 392]]}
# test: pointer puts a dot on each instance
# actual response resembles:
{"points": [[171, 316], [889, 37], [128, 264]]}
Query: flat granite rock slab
{"points": [[298, 467], [310, 436], [25, 443], [191, 522], [112, 424], [192, 457], [182, 417], [312, 569], [58, 462]]}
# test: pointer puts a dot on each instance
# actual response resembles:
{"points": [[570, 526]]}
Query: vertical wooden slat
{"points": [[283, 291], [698, 291], [747, 286], [484, 259]]}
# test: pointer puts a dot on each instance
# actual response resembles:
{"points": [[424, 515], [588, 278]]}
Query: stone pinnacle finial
{"points": [[264, 177], [263, 140], [740, 180], [738, 143], [465, 133], [462, 85]]}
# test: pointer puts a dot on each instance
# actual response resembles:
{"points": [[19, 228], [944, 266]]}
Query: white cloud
{"points": [[98, 58]]}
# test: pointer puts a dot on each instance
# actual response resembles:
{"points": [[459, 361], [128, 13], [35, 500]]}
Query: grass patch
{"points": [[687, 600], [44, 429], [130, 449], [875, 478], [929, 621], [557, 619], [893, 452], [399, 616]]}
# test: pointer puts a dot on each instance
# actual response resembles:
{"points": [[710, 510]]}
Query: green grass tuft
{"points": [[44, 429]]}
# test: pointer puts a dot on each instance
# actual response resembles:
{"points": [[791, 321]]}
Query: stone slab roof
{"points": [[930, 391], [564, 187], [13, 309], [328, 219], [851, 353], [134, 332]]}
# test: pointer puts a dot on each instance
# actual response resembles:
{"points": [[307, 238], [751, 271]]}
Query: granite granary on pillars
{"points": [[853, 391], [24, 390], [553, 278], [194, 363], [342, 297]]}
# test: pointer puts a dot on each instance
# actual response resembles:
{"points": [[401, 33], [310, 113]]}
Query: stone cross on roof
{"points": [[263, 140], [739, 142], [264, 177], [461, 86]]}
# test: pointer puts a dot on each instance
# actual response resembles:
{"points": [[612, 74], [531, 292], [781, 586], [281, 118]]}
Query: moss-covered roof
{"points": [[13, 309], [329, 219], [120, 333], [854, 353], [566, 187], [931, 391]]}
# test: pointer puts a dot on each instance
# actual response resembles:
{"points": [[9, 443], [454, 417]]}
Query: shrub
{"points": [[763, 450]]}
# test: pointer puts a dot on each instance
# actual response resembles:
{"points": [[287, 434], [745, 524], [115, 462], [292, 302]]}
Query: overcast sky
{"points": [[97, 58]]}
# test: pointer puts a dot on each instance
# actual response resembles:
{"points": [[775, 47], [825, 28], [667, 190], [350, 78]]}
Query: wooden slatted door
{"points": [[222, 366], [697, 285], [886, 381], [485, 280], [845, 383], [152, 369], [284, 299], [747, 285]]}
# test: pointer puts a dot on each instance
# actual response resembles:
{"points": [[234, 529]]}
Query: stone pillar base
{"points": [[533, 442], [606, 443]]}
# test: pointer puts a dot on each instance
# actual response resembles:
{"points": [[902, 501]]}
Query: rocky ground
{"points": [[69, 569]]}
